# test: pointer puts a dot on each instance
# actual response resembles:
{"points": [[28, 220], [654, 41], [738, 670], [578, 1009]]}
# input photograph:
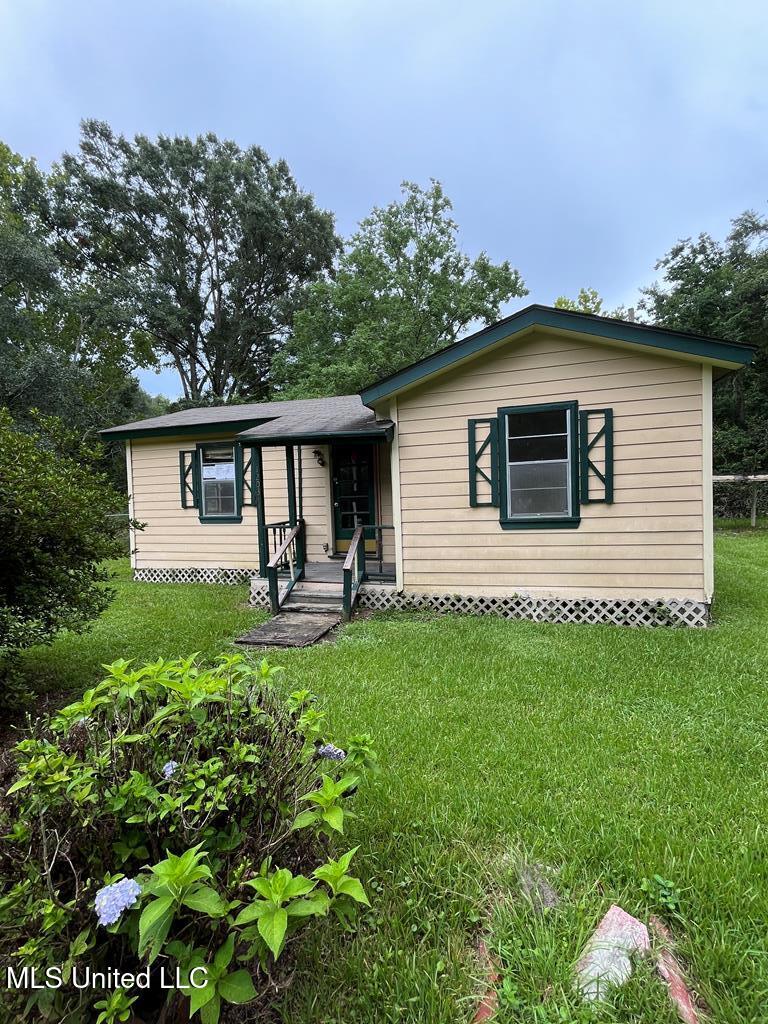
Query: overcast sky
{"points": [[579, 140]]}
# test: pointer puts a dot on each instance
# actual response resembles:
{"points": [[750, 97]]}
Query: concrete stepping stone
{"points": [[607, 958]]}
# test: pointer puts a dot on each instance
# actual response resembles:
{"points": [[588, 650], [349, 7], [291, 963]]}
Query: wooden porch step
{"points": [[318, 587], [314, 596], [312, 607]]}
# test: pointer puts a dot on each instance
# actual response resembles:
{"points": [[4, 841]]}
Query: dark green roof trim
{"points": [[385, 434], [563, 320], [188, 430]]}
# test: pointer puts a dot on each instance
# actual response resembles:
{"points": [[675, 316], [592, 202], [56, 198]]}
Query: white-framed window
{"points": [[539, 462], [217, 481]]}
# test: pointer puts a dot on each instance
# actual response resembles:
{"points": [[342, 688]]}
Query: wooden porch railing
{"points": [[276, 534], [290, 558], [354, 572], [378, 556]]}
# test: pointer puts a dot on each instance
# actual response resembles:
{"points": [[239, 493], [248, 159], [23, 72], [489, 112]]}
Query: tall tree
{"points": [[53, 357], [193, 246], [720, 288], [28, 267], [402, 289]]}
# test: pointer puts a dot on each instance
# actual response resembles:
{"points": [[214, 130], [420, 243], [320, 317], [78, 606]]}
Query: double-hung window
{"points": [[219, 499], [539, 465]]}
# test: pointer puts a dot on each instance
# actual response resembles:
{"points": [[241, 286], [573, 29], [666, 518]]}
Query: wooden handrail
{"points": [[291, 555], [357, 536], [278, 555], [353, 572]]}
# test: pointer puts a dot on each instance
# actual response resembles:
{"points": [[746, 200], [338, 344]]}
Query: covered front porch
{"points": [[338, 530]]}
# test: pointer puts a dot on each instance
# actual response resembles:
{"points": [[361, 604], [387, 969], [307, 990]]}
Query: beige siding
{"points": [[384, 500], [174, 536], [649, 543], [317, 503]]}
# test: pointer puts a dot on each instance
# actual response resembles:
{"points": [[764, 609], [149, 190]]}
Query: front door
{"points": [[354, 495]]}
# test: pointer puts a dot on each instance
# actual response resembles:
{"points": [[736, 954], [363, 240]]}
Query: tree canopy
{"points": [[720, 288], [588, 300], [197, 250], [402, 289], [55, 354]]}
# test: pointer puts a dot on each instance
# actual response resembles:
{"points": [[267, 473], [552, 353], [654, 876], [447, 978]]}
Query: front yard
{"points": [[607, 755]]}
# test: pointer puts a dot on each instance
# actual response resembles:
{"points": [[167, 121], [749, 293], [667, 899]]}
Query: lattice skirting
{"points": [[192, 574], [259, 593], [591, 610]]}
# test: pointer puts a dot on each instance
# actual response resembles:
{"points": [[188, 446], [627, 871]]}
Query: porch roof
{"points": [[316, 420], [306, 420]]}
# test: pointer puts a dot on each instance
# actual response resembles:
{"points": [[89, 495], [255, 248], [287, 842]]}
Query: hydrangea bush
{"points": [[176, 823]]}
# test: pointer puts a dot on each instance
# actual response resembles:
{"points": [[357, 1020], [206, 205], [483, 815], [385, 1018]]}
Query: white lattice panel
{"points": [[192, 574], [589, 610], [629, 612], [259, 593]]}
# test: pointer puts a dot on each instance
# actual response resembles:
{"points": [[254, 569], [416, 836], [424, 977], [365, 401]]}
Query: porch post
{"points": [[301, 483], [291, 478], [258, 466]]}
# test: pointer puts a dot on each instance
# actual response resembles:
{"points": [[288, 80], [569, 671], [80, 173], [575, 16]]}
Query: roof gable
{"points": [[730, 355]]}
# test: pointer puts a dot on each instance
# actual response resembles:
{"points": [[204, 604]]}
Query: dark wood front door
{"points": [[354, 494]]}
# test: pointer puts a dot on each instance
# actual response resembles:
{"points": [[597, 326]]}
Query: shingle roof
{"points": [[303, 419], [317, 417]]}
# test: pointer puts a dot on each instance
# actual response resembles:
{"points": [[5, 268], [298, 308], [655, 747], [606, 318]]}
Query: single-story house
{"points": [[555, 465]]}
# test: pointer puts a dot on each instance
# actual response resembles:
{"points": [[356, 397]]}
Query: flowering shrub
{"points": [[173, 824]]}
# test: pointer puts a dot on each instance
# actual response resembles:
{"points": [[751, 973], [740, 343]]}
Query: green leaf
{"points": [[353, 888], [262, 886], [279, 883], [317, 903], [206, 900], [345, 860], [252, 912], [335, 818], [237, 987], [154, 924], [225, 953], [298, 886], [199, 997], [211, 1011], [272, 928], [80, 944], [27, 781], [304, 819]]}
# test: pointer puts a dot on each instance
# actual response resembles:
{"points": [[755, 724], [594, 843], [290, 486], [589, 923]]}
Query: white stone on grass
{"points": [[607, 958]]}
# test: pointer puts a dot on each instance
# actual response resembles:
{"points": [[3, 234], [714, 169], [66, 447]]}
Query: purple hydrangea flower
{"points": [[331, 753], [113, 899], [169, 768]]}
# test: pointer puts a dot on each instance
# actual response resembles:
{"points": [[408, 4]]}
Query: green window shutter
{"points": [[596, 455], [189, 479], [246, 474], [483, 440], [244, 493]]}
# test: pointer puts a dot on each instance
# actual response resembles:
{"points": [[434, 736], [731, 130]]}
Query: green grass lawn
{"points": [[605, 754]]}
